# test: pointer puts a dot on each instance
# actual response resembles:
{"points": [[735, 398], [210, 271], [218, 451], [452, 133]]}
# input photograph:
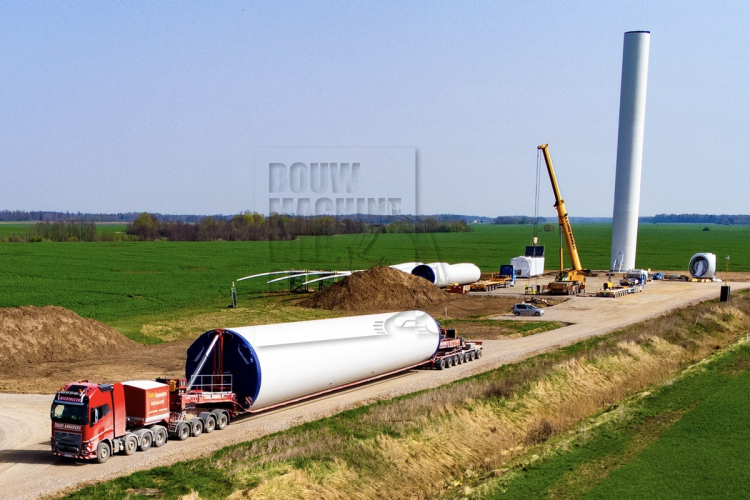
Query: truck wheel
{"points": [[103, 451], [222, 419], [196, 427], [209, 424], [130, 444], [160, 436], [147, 439], [183, 431]]}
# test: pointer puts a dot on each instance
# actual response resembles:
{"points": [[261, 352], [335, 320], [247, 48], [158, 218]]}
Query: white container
{"points": [[528, 267], [272, 364], [443, 274], [703, 266]]}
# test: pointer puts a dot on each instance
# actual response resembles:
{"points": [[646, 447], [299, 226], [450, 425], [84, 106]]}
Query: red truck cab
{"points": [[92, 421], [84, 415]]}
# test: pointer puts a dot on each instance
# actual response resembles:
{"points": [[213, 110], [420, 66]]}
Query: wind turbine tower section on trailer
{"points": [[630, 149]]}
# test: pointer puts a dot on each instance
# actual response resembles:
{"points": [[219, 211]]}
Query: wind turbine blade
{"points": [[266, 274], [298, 275]]}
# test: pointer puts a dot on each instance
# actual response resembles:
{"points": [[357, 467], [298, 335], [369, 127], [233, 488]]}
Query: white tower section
{"points": [[630, 149]]}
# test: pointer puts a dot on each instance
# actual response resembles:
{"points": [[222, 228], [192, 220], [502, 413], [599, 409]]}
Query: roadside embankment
{"points": [[423, 444]]}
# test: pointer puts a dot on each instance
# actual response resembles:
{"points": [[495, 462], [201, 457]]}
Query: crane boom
{"points": [[562, 214]]}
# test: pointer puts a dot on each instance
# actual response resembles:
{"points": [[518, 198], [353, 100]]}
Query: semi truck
{"points": [[92, 421]]}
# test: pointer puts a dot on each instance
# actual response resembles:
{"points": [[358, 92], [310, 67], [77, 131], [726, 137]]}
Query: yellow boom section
{"points": [[562, 214]]}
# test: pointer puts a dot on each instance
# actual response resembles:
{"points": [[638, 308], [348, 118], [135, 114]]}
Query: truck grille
{"points": [[67, 442]]}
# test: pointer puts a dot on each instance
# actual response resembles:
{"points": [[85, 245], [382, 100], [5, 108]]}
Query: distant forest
{"points": [[46, 216], [257, 227], [740, 220], [242, 227], [126, 217]]}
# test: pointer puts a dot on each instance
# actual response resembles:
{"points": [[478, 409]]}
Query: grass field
{"points": [[702, 455], [20, 228], [686, 439], [129, 283]]}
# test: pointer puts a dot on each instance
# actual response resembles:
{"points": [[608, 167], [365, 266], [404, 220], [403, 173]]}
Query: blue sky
{"points": [[158, 106]]}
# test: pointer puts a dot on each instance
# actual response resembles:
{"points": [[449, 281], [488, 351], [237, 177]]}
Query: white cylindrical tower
{"points": [[630, 149], [273, 364], [443, 274]]}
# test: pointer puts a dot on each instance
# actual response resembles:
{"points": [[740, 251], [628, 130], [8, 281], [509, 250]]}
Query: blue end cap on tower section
{"points": [[240, 361], [424, 271]]}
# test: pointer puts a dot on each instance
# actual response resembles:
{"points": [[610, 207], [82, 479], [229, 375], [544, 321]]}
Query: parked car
{"points": [[658, 276], [527, 310]]}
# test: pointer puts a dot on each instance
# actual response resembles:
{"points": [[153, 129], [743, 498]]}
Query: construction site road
{"points": [[29, 470]]}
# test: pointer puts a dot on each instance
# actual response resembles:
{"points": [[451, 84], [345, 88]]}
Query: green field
{"points": [[9, 228], [686, 439], [142, 281], [704, 455]]}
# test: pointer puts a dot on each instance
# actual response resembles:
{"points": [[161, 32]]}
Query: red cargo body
{"points": [[146, 402]]}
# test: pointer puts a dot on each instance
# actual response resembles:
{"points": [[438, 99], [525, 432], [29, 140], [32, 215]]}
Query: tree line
{"points": [[698, 218], [61, 231], [252, 226]]}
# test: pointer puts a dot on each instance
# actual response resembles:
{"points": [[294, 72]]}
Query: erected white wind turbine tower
{"points": [[630, 149]]}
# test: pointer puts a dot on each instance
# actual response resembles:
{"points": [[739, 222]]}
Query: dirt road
{"points": [[28, 470]]}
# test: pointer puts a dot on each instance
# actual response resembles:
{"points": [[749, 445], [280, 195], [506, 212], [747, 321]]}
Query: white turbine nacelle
{"points": [[703, 266]]}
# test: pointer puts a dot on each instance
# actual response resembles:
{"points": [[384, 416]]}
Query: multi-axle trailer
{"points": [[247, 370]]}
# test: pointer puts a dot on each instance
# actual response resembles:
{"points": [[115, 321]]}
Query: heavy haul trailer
{"points": [[246, 370], [504, 279], [94, 421]]}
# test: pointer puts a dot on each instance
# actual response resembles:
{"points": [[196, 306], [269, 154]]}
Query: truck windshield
{"points": [[69, 414]]}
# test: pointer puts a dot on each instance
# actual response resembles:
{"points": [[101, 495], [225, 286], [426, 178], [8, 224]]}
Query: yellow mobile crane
{"points": [[570, 281]]}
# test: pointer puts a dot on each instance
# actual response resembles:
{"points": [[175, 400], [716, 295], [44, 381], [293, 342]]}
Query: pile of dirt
{"points": [[378, 288], [37, 334]]}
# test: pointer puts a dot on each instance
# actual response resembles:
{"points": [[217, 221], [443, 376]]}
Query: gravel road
{"points": [[28, 470]]}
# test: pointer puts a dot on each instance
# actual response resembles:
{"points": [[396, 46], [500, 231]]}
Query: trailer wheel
{"points": [[479, 354], [440, 364], [454, 360], [183, 431], [222, 419], [130, 444], [146, 438], [471, 356], [103, 451], [210, 424], [160, 436], [196, 427]]}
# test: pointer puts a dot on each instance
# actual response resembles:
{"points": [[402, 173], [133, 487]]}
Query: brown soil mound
{"points": [[378, 288], [36, 334]]}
